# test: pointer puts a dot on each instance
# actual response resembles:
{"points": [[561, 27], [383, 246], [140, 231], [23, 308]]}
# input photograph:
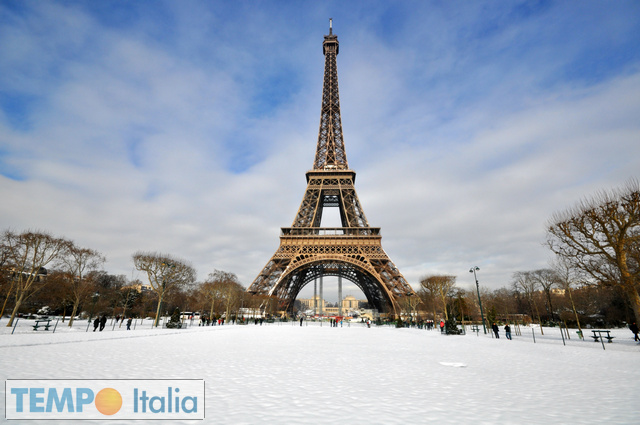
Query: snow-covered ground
{"points": [[287, 374]]}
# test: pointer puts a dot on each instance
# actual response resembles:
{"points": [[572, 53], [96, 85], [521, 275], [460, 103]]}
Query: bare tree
{"points": [[503, 300], [428, 293], [128, 295], [525, 282], [76, 263], [601, 237], [27, 255], [414, 301], [268, 304], [216, 287], [547, 279], [407, 306], [567, 278], [231, 292], [4, 272], [439, 286], [6, 269], [458, 303], [428, 300], [164, 272]]}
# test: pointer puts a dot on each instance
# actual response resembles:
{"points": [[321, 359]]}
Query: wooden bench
{"points": [[597, 334], [38, 325]]}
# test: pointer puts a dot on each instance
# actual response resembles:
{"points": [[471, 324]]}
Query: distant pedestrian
{"points": [[96, 323], [103, 322], [496, 330], [301, 321], [442, 326], [129, 323], [634, 328], [507, 331]]}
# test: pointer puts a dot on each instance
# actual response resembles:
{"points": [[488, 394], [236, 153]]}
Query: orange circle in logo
{"points": [[108, 401]]}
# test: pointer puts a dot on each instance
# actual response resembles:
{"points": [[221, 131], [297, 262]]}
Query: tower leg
{"points": [[339, 295], [315, 297], [320, 301]]}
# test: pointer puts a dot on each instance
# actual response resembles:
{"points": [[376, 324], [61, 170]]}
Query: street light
{"points": [[94, 298], [473, 270]]}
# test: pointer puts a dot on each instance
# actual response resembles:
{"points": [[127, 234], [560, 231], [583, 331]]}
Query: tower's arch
{"points": [[291, 283]]}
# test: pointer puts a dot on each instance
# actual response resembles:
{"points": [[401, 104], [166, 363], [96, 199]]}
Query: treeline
{"points": [[594, 279], [525, 301], [40, 271]]}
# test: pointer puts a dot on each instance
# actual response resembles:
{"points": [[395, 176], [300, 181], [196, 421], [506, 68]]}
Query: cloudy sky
{"points": [[186, 127]]}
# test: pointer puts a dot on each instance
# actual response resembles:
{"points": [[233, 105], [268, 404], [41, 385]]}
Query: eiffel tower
{"points": [[354, 251]]}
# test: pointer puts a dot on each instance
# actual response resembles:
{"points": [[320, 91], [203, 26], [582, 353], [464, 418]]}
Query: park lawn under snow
{"points": [[287, 374]]}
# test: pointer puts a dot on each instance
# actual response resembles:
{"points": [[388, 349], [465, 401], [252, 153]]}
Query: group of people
{"points": [[334, 322], [496, 330], [206, 321], [428, 325], [507, 330], [101, 321]]}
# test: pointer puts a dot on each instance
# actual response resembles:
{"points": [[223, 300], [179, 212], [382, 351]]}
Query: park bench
{"points": [[598, 334], [38, 325], [475, 328]]}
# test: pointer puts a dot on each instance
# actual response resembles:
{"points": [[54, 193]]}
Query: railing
{"points": [[330, 231]]}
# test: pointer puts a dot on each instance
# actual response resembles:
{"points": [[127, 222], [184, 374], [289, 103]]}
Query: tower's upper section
{"points": [[330, 152]]}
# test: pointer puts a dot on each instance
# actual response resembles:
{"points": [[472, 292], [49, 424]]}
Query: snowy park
{"points": [[316, 374]]}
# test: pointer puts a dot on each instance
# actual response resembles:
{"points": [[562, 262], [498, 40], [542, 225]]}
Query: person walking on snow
{"points": [[507, 331], [496, 330]]}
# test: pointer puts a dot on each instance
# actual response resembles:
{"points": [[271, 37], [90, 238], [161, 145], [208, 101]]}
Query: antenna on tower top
{"points": [[330, 26]]}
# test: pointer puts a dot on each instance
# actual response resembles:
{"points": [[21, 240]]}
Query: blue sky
{"points": [[186, 127]]}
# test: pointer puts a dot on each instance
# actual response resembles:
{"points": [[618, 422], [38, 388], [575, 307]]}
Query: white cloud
{"points": [[196, 143]]}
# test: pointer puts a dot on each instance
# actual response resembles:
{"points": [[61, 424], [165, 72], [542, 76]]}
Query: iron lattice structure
{"points": [[353, 251]]}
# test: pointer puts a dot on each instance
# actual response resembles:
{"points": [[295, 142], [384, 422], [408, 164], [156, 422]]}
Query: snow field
{"points": [[287, 374]]}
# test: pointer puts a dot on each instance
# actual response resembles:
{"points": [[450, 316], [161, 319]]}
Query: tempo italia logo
{"points": [[156, 399]]}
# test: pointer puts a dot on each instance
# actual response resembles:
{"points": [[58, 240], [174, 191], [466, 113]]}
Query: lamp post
{"points": [[473, 270], [94, 298]]}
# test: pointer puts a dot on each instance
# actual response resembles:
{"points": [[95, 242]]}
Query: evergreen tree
{"points": [[451, 327]]}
